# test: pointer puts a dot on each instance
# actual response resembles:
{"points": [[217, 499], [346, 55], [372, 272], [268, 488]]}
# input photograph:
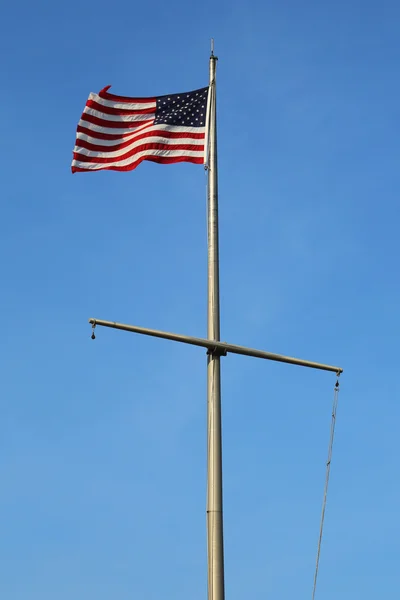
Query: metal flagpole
{"points": [[215, 349], [215, 544]]}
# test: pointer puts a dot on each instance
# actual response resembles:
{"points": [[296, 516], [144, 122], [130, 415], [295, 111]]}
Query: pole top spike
{"points": [[212, 46]]}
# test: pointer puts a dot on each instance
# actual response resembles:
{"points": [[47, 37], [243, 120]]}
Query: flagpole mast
{"points": [[215, 348], [215, 544]]}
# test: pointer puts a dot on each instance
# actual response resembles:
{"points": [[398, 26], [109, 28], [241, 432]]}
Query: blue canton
{"points": [[182, 110]]}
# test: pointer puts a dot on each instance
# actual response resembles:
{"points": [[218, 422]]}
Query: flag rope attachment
{"points": [[328, 469]]}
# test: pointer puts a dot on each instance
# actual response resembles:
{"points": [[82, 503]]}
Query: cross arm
{"points": [[213, 346]]}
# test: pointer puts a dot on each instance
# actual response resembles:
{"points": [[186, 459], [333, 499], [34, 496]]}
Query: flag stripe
{"points": [[164, 154], [166, 160], [108, 123], [118, 133], [107, 96], [115, 110], [89, 143], [101, 135], [103, 157], [150, 103], [121, 119]]}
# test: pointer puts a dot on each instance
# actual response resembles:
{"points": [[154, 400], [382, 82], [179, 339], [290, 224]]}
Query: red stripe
{"points": [[114, 124], [141, 148], [158, 159], [104, 94], [102, 136], [119, 111], [150, 132]]}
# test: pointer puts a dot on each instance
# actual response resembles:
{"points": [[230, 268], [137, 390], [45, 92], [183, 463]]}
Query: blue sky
{"points": [[102, 444]]}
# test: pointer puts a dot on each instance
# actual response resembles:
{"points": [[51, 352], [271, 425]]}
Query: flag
{"points": [[117, 133]]}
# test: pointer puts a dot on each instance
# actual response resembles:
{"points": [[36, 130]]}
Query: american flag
{"points": [[117, 133]]}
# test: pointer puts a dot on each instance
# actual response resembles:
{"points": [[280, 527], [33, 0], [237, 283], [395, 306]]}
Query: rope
{"points": [[328, 469]]}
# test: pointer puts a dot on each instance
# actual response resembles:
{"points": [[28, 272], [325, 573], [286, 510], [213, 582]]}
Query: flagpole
{"points": [[215, 544], [215, 348]]}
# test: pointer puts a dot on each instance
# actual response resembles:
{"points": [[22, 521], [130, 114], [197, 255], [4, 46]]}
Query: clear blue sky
{"points": [[103, 444]]}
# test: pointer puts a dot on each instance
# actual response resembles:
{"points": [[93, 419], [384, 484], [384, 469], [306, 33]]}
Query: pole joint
{"points": [[215, 351]]}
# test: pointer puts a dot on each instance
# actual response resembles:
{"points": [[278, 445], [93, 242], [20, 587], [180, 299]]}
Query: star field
{"points": [[182, 110]]}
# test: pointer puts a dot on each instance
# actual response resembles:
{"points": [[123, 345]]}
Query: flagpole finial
{"points": [[212, 46]]}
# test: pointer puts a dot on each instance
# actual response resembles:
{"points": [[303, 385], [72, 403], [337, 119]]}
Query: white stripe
{"points": [[113, 130], [125, 105], [121, 118], [152, 128], [133, 159], [151, 139]]}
